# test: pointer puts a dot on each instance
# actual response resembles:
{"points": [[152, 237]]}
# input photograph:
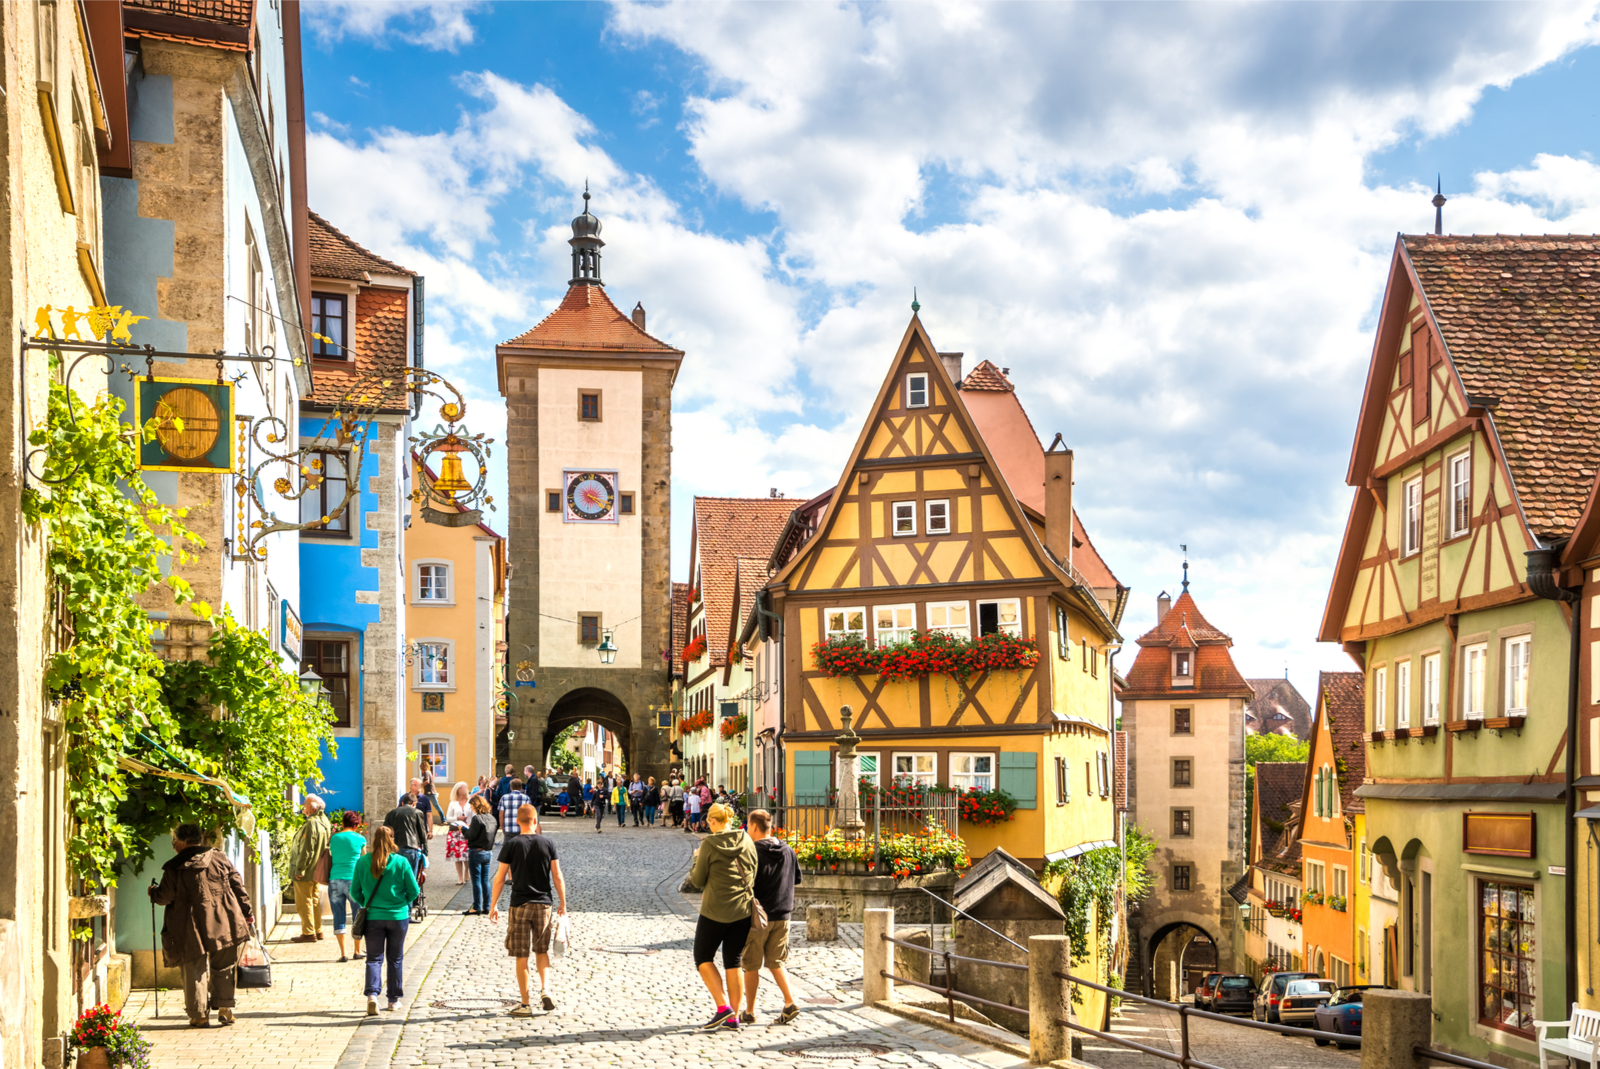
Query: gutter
{"points": [[1541, 574]]}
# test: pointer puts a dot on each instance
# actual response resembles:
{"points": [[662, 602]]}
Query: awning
{"points": [[244, 816], [1082, 848]]}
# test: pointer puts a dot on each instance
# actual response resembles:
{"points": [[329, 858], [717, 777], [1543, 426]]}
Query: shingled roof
{"points": [[1520, 319], [1344, 701], [209, 23], [587, 320], [335, 255], [986, 377], [1279, 785], [680, 625], [726, 529], [1183, 627], [1277, 704]]}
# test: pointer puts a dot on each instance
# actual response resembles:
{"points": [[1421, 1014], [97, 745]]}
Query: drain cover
{"points": [[474, 1004], [838, 1052], [627, 950]]}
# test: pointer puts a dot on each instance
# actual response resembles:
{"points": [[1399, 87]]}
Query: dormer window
{"points": [[328, 318], [1182, 668], [917, 391]]}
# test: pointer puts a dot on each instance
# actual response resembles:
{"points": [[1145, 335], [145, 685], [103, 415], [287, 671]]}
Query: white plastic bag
{"points": [[558, 942]]}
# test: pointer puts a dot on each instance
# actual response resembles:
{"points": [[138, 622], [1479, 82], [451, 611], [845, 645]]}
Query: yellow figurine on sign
{"points": [[124, 321], [41, 321], [69, 323]]}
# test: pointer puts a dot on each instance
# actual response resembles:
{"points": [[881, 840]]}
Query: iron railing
{"points": [[1450, 1059], [1184, 1057], [880, 819], [949, 992]]}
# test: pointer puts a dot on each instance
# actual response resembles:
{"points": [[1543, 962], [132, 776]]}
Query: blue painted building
{"points": [[353, 566]]}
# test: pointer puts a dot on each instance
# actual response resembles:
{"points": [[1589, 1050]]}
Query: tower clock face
{"points": [[591, 496]]}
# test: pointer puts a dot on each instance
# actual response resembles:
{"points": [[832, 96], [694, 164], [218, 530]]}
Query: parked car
{"points": [[1233, 993], [1205, 991], [1271, 993], [1342, 1014], [1301, 999]]}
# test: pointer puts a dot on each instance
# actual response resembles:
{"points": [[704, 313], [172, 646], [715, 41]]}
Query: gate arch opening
{"points": [[590, 703], [1178, 953]]}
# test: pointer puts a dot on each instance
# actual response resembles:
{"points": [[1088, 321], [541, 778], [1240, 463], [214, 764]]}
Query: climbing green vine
{"points": [[1089, 884]]}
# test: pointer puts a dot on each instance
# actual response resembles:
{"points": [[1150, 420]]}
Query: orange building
{"points": [[1329, 807]]}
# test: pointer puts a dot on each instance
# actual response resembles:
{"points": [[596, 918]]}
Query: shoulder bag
{"points": [[254, 968], [758, 912], [358, 924], [322, 871]]}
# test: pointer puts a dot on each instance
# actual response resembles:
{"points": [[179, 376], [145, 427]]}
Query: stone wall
{"points": [[383, 742], [852, 895]]}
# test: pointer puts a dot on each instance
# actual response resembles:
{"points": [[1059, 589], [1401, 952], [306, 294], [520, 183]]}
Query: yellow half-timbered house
{"points": [[929, 530]]}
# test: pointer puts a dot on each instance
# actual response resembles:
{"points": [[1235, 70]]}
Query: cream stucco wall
{"points": [[590, 567]]}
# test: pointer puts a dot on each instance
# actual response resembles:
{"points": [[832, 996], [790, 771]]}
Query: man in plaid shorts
{"points": [[529, 861], [510, 805]]}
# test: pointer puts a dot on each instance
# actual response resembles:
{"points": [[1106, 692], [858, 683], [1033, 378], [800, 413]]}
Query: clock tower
{"points": [[589, 432]]}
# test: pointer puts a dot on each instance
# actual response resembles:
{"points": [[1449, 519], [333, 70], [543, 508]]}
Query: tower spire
{"points": [[915, 307], [1185, 569], [586, 246], [1438, 205]]}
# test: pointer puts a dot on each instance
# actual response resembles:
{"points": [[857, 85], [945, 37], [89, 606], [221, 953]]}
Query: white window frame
{"points": [[1518, 651], [449, 582], [1316, 877], [932, 526], [966, 780], [1474, 680], [898, 632], [1063, 781], [917, 382], [1341, 882], [903, 511], [1103, 766], [423, 742], [957, 630], [1063, 638], [1402, 694], [1380, 699], [1431, 664], [451, 669], [1411, 517], [829, 632], [1015, 631], [930, 777], [1460, 469], [1187, 663]]}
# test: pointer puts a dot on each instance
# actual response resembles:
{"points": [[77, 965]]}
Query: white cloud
{"points": [[441, 25]]}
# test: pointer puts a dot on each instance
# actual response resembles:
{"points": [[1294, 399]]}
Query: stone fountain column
{"points": [[850, 824]]}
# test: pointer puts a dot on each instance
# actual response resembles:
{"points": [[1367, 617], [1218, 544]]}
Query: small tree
{"points": [[562, 756]]}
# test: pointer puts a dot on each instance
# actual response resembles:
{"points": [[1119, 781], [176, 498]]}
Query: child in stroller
{"points": [[419, 908]]}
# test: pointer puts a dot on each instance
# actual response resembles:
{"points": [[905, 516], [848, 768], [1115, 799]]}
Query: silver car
{"points": [[1301, 999]]}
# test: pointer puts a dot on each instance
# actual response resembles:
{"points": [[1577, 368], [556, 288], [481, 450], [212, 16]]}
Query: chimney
{"points": [[1163, 605], [638, 315], [952, 366], [1058, 501]]}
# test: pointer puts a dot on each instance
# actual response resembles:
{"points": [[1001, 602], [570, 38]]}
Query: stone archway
{"points": [[1180, 952], [590, 703]]}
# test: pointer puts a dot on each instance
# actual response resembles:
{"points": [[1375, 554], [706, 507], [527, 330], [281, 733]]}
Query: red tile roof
{"points": [[1279, 786], [680, 624], [1276, 705], [1345, 703], [228, 12], [587, 320], [986, 377], [1183, 627], [335, 255], [726, 529], [1520, 319], [1119, 777], [221, 24], [751, 577]]}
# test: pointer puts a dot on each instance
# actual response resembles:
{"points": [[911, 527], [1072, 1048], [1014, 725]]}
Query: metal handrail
{"points": [[1452, 1059], [953, 957], [952, 994], [974, 920]]}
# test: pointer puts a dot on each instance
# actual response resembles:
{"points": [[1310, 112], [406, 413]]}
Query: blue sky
{"points": [[1171, 222]]}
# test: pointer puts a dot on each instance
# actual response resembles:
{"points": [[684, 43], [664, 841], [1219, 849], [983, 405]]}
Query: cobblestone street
{"points": [[638, 1006], [1232, 1046]]}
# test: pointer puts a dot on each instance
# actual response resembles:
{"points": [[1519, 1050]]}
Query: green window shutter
{"points": [[811, 777], [1019, 777]]}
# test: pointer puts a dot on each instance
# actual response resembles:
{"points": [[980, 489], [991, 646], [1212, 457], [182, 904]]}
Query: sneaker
{"points": [[523, 1010], [731, 1023], [225, 1015], [789, 1014], [718, 1019], [747, 1017], [546, 1001], [392, 1004], [200, 1022], [372, 1007]]}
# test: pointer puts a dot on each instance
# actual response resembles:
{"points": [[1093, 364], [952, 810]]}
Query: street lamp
{"points": [[608, 649], [311, 685]]}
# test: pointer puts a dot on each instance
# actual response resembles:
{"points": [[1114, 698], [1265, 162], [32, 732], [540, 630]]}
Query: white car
{"points": [[1301, 999]]}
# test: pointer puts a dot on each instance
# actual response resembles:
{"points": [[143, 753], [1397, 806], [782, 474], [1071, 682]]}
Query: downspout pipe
{"points": [[775, 630], [1542, 565]]}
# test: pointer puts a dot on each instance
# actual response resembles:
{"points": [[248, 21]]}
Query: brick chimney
{"points": [[1163, 605], [638, 315], [952, 366], [1058, 501]]}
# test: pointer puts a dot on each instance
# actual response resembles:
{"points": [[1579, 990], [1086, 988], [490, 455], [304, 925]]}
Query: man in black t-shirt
{"points": [[777, 873], [529, 861]]}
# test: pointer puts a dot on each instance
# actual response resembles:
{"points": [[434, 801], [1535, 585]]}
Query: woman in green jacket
{"points": [[386, 885], [724, 869]]}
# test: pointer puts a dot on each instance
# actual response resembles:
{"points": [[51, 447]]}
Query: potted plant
{"points": [[103, 1039]]}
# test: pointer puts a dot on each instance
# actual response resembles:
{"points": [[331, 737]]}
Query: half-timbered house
{"points": [[932, 533], [1475, 445]]}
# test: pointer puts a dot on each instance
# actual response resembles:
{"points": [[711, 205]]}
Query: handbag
{"points": [[758, 912], [358, 923], [323, 869], [254, 967]]}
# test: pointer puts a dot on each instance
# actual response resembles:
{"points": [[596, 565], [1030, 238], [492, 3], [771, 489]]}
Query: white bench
{"points": [[1582, 1041]]}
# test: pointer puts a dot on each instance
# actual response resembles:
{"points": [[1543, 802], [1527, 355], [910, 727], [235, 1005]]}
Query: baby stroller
{"points": [[419, 908]]}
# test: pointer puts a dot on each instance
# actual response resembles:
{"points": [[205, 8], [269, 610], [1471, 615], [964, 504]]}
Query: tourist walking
{"points": [[409, 830], [385, 885], [430, 795], [309, 843], [529, 861], [455, 844], [652, 801], [636, 799], [724, 868], [208, 915], [598, 802], [575, 795], [533, 787], [501, 787], [675, 802], [691, 811], [420, 801], [777, 874], [619, 800], [510, 805], [344, 849], [479, 830]]}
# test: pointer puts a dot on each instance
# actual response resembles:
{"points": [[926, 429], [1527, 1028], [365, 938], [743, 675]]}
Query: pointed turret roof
{"points": [[1184, 627], [587, 320]]}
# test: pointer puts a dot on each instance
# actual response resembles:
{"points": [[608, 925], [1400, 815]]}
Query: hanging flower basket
{"points": [[925, 654], [986, 808], [695, 650], [734, 726], [698, 722]]}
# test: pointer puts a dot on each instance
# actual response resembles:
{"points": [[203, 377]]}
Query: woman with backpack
{"points": [[385, 886]]}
